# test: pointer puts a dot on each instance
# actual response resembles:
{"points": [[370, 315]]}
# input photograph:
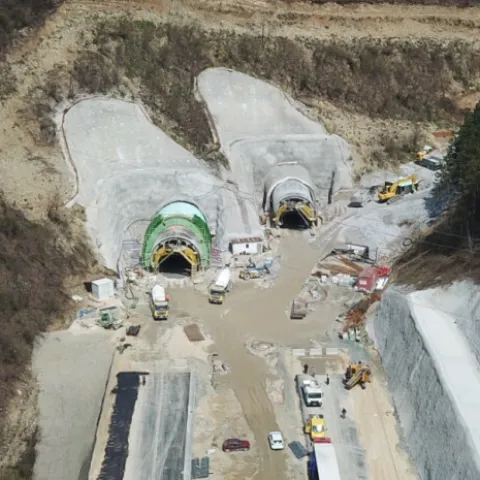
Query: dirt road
{"points": [[377, 428], [246, 316]]}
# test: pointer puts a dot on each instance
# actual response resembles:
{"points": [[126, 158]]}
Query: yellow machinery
{"points": [[305, 211], [402, 186], [357, 373], [164, 252], [426, 150], [315, 427]]}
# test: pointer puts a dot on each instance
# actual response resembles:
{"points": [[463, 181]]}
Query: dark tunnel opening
{"points": [[293, 220], [176, 264]]}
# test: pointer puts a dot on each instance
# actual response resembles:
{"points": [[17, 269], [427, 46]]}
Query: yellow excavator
{"points": [[391, 191], [357, 374]]}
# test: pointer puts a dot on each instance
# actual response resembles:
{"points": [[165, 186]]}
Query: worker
{"points": [[305, 368], [327, 381], [313, 372], [344, 413]]}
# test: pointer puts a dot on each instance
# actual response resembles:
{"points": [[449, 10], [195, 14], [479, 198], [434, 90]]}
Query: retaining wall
{"points": [[437, 436]]}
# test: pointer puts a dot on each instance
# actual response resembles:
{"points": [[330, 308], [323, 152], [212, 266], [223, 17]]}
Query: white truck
{"points": [[221, 286], [324, 463], [159, 303], [310, 390]]}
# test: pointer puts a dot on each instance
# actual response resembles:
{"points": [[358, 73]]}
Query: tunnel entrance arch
{"points": [[289, 197], [177, 241]]}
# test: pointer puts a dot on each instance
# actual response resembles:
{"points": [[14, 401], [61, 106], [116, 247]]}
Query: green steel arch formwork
{"points": [[196, 224]]}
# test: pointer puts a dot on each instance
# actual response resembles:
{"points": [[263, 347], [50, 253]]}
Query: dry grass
{"points": [[456, 3], [35, 261], [391, 79], [450, 252]]}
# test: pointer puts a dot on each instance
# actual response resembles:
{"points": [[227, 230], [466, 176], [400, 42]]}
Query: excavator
{"points": [[391, 191], [357, 374]]}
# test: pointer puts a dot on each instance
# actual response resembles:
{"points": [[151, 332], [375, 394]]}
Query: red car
{"points": [[236, 445]]}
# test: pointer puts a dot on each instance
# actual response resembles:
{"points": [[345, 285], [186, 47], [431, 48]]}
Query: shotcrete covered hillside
{"points": [[434, 377]]}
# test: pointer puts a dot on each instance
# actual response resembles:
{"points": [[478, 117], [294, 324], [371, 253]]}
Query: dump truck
{"points": [[315, 428], [220, 287], [357, 374], [391, 191], [159, 303], [310, 390]]}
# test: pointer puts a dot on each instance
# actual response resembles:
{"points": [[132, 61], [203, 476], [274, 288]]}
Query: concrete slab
{"points": [[157, 438], [72, 371]]}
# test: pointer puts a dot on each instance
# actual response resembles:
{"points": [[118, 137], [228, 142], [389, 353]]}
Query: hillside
{"points": [[382, 76]]}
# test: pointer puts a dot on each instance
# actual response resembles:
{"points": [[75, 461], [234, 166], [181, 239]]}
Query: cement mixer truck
{"points": [[159, 303], [220, 287]]}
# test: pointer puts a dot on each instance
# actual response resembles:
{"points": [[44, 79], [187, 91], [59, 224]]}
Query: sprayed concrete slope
{"points": [[258, 127], [434, 378], [127, 169]]}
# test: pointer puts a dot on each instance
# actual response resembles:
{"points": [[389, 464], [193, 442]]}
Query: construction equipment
{"points": [[315, 428], [323, 461], [305, 210], [394, 190], [357, 373], [425, 151], [221, 286], [108, 319], [159, 303], [253, 271], [299, 309]]}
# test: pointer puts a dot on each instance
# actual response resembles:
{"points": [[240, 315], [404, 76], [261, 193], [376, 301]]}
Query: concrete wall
{"points": [[438, 438]]}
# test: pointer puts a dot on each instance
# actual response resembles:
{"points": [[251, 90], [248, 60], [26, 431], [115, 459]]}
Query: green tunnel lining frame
{"points": [[159, 223]]}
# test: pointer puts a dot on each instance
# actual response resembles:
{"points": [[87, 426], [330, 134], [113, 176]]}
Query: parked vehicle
{"points": [[236, 445], [275, 439], [315, 428], [311, 391]]}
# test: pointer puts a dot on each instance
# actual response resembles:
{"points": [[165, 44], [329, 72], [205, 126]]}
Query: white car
{"points": [[275, 439]]}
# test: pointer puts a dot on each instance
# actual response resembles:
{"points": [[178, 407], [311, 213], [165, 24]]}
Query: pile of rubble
{"points": [[356, 315]]}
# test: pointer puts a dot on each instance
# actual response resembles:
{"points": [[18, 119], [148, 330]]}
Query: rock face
{"points": [[434, 379]]}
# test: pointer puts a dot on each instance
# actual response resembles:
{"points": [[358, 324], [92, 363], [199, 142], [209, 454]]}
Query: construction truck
{"points": [[315, 428], [357, 374], [311, 390], [391, 191], [220, 287], [323, 462], [159, 303], [253, 271]]}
